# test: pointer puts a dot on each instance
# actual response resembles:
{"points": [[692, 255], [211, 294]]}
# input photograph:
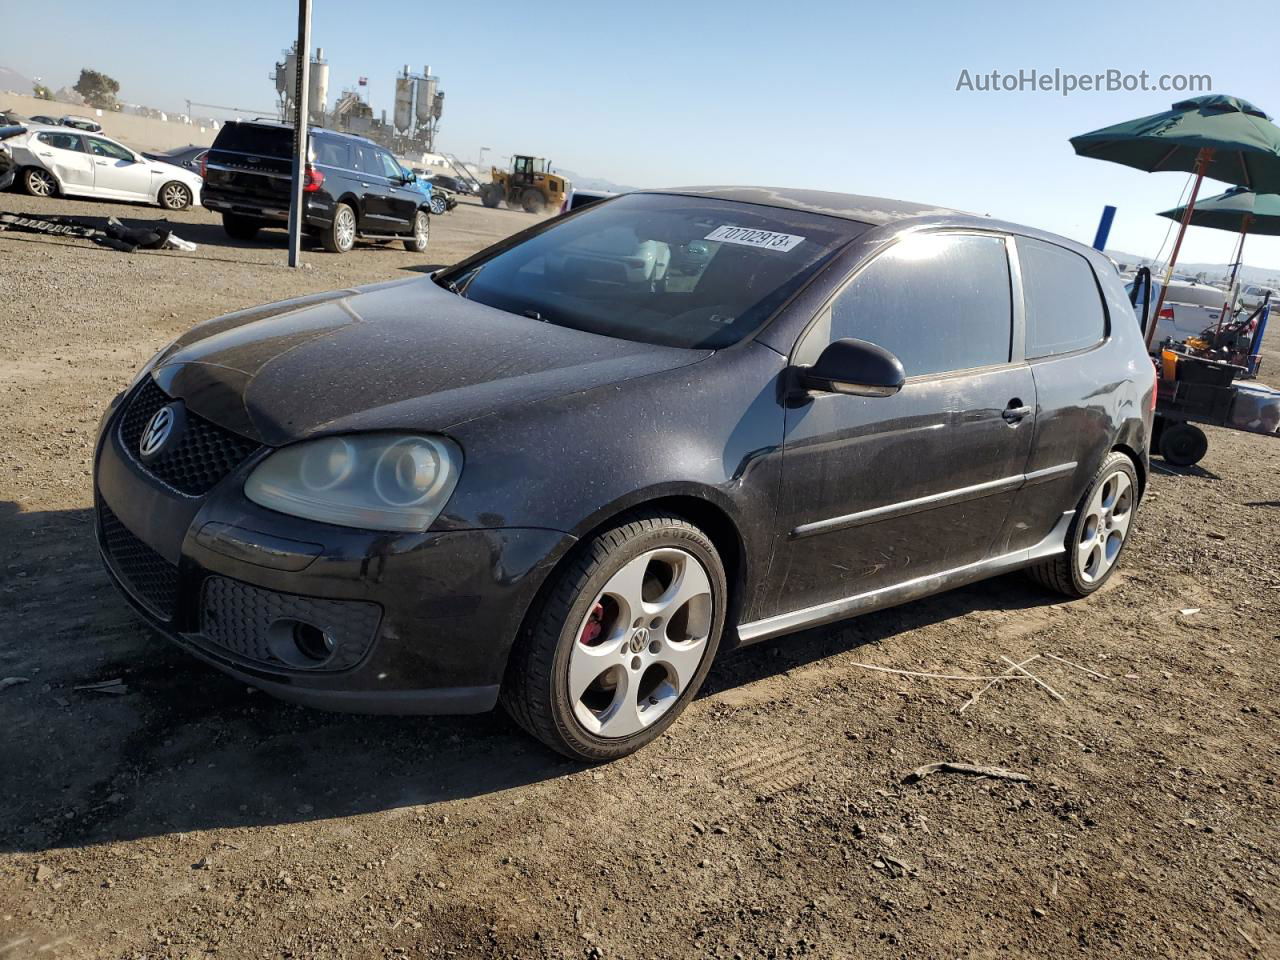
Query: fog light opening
{"points": [[300, 644], [312, 642]]}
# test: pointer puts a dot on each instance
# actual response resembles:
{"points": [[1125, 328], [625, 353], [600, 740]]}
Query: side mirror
{"points": [[854, 367]]}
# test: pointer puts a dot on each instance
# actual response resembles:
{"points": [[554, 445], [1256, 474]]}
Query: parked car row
{"points": [[354, 189]]}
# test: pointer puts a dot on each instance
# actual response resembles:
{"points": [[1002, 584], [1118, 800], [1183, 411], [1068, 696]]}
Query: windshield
{"points": [[671, 270]]}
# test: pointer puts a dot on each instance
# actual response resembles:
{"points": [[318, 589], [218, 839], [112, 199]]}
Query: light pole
{"points": [[302, 86], [480, 162]]}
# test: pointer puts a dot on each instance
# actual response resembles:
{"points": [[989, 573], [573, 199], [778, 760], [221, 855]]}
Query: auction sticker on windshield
{"points": [[748, 237]]}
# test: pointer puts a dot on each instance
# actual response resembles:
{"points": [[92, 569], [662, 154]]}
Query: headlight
{"points": [[377, 481]]}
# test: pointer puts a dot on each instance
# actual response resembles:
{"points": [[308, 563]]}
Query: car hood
{"points": [[400, 355]]}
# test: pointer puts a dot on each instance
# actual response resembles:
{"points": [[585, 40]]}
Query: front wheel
{"points": [[175, 196], [533, 202], [491, 196], [621, 641], [341, 235], [421, 233], [1098, 532], [39, 182]]}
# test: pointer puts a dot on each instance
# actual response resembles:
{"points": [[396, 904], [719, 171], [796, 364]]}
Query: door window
{"points": [[1064, 307], [105, 148], [367, 160], [938, 302], [388, 166], [62, 141]]}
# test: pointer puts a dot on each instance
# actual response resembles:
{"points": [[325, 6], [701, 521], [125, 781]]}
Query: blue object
{"points": [[421, 185], [1256, 347], [1104, 228]]}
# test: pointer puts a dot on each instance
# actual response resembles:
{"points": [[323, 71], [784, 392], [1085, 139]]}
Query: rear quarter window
{"points": [[1063, 305], [332, 153]]}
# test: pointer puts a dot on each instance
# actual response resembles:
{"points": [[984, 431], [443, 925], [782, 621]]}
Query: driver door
{"points": [[879, 491], [117, 172]]}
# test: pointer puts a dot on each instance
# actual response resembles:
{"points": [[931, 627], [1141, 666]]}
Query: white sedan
{"points": [[59, 160]]}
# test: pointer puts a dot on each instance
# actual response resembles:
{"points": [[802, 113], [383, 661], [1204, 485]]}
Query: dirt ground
{"points": [[191, 817]]}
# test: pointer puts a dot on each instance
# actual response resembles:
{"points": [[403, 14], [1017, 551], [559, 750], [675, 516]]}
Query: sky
{"points": [[846, 96]]}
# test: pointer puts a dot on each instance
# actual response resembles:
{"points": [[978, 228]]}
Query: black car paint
{"points": [[257, 185], [563, 430]]}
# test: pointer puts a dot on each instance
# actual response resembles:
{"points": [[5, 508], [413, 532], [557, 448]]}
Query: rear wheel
{"points": [[340, 237], [421, 233], [1098, 532], [240, 228], [533, 202], [1183, 444], [39, 182], [175, 196], [440, 206], [622, 641]]}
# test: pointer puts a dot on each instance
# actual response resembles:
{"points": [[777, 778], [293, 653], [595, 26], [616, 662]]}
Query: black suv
{"points": [[353, 187]]}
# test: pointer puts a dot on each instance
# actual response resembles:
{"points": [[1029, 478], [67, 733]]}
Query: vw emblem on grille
{"points": [[164, 426]]}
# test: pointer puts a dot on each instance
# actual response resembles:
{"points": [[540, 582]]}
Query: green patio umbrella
{"points": [[1222, 137], [1239, 211]]}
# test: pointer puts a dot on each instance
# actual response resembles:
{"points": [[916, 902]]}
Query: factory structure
{"points": [[419, 103]]}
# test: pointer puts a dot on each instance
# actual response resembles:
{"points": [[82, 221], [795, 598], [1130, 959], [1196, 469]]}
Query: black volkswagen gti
{"points": [[566, 471]]}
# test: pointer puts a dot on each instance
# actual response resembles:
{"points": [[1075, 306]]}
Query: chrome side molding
{"points": [[1054, 542]]}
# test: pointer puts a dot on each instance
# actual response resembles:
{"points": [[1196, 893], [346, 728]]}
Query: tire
{"points": [[623, 670], [239, 228], [1090, 536], [421, 233], [340, 235], [39, 182], [491, 196], [533, 202], [1183, 444], [174, 196], [439, 206]]}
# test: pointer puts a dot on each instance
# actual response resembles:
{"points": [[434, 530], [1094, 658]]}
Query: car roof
{"points": [[878, 211], [281, 125]]}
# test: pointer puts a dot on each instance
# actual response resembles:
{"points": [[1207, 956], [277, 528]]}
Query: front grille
{"points": [[204, 454], [152, 578], [257, 624]]}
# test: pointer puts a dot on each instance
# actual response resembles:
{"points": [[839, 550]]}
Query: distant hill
{"points": [[594, 183], [13, 80], [1249, 274]]}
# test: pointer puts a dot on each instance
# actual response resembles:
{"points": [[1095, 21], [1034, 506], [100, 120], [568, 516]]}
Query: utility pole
{"points": [[302, 87]]}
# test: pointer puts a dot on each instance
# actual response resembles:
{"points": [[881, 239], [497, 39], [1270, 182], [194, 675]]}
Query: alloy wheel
{"points": [[346, 228], [421, 229], [174, 196], [641, 643], [40, 183], [1104, 527]]}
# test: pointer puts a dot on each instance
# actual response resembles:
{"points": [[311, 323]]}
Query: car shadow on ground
{"points": [[180, 747]]}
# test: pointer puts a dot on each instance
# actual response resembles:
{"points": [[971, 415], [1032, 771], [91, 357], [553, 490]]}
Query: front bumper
{"points": [[417, 623]]}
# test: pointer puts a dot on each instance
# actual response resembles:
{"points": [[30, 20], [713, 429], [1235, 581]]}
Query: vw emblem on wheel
{"points": [[639, 640], [160, 429]]}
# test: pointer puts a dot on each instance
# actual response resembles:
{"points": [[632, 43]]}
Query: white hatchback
{"points": [[60, 160]]}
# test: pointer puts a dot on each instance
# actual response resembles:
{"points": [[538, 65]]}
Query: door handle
{"points": [[1015, 412], [100, 163], [364, 184]]}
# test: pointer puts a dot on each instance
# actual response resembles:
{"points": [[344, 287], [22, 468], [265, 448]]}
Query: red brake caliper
{"points": [[595, 623]]}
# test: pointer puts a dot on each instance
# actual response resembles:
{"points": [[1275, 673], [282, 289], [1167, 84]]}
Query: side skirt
{"points": [[833, 610]]}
